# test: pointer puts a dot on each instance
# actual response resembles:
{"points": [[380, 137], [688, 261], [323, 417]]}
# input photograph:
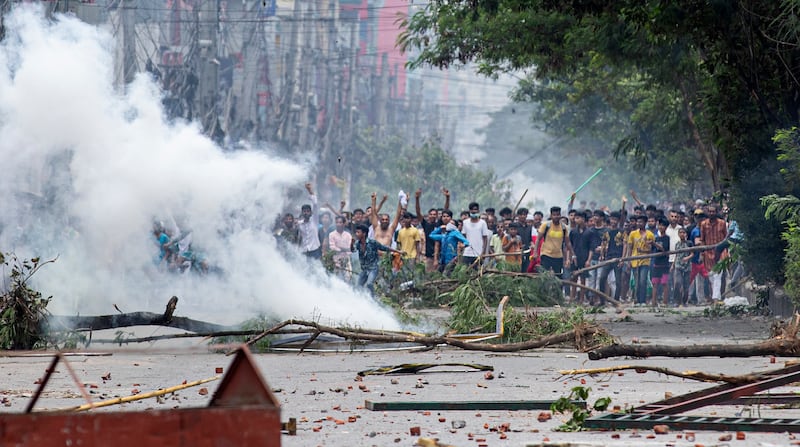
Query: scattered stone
{"points": [[661, 429], [544, 416]]}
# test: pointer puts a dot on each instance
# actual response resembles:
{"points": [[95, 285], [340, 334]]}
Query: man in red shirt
{"points": [[713, 230]]}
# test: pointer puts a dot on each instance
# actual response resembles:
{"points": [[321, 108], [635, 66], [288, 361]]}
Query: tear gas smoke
{"points": [[87, 169]]}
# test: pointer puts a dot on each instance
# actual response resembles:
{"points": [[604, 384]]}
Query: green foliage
{"points": [[718, 310], [432, 289], [786, 208], [713, 78], [23, 310], [762, 236], [389, 165], [626, 125], [788, 142], [471, 311], [578, 414]]}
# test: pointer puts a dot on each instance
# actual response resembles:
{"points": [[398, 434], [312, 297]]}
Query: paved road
{"points": [[320, 388]]}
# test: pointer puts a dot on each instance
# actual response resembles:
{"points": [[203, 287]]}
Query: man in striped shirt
{"points": [[713, 230]]}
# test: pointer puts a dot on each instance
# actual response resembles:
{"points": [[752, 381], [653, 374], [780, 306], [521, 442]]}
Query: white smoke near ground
{"points": [[88, 168]]}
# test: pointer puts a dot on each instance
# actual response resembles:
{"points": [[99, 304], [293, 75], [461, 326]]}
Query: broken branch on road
{"points": [[694, 375]]}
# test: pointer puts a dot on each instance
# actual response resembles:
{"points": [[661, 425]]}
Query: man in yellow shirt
{"points": [[409, 240], [552, 245], [640, 242]]}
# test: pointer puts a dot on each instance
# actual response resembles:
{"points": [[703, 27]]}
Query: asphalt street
{"points": [[327, 397]]}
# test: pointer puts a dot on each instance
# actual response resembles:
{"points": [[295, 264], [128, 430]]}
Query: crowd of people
{"points": [[641, 255]]}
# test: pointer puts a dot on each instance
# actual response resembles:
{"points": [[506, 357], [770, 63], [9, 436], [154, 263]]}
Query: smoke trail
{"points": [[86, 169]]}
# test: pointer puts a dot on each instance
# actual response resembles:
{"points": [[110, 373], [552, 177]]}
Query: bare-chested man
{"points": [[384, 231]]}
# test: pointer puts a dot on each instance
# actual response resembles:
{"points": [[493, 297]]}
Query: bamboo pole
{"points": [[514, 212], [599, 170], [649, 255], [126, 399]]}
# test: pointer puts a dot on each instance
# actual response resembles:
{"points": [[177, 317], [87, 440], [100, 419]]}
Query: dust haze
{"points": [[87, 169]]}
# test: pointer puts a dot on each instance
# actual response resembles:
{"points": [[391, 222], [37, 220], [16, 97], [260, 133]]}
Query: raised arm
{"points": [[373, 215], [571, 201], [623, 212], [380, 205], [638, 202], [312, 197], [446, 193], [334, 210], [397, 214], [417, 194], [437, 235], [314, 220]]}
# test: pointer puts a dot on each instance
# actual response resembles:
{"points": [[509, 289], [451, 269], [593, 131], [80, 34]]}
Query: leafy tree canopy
{"points": [[659, 82], [388, 165], [729, 62]]}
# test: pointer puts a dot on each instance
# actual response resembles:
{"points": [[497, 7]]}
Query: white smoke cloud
{"points": [[87, 168]]}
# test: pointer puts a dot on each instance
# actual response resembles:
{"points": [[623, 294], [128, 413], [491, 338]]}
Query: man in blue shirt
{"points": [[368, 256], [448, 237]]}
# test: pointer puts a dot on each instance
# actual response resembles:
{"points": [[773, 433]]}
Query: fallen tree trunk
{"points": [[776, 347], [579, 336], [99, 322]]}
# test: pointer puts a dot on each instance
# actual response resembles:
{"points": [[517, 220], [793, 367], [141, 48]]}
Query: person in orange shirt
{"points": [[512, 245]]}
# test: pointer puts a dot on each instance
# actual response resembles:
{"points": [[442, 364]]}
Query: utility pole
{"points": [[381, 95], [208, 66], [128, 9], [349, 121], [331, 81], [287, 121]]}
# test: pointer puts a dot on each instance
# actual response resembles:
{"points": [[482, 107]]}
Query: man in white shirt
{"points": [[340, 242], [308, 227], [477, 233]]}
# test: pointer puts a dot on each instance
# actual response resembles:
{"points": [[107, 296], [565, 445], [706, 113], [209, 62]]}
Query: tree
{"points": [[786, 208], [388, 165], [727, 65]]}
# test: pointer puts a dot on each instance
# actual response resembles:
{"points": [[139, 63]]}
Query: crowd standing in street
{"points": [[581, 247]]}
